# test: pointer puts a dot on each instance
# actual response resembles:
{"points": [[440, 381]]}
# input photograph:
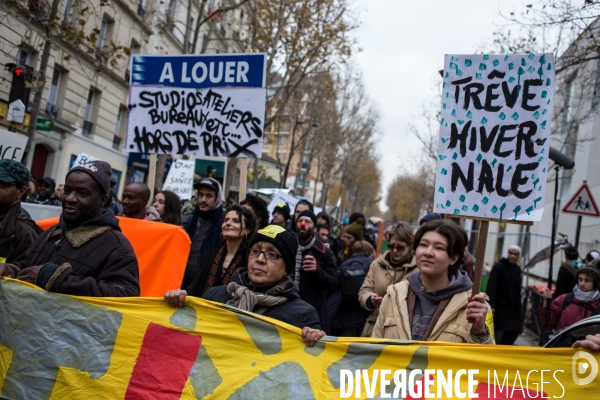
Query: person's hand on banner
{"points": [[29, 274], [477, 309], [591, 342], [175, 298], [310, 336], [4, 270]]}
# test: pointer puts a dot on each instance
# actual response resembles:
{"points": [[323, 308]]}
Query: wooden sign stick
{"points": [[243, 178], [480, 256]]}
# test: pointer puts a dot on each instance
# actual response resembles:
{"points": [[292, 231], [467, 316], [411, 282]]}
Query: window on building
{"points": [[90, 110], [191, 42], [141, 10], [24, 56], [102, 35], [119, 127], [171, 15], [284, 126], [54, 84], [68, 16], [134, 49], [280, 140]]}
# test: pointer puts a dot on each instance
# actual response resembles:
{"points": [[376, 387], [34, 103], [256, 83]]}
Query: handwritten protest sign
{"points": [[12, 145], [212, 105], [181, 178], [495, 126]]}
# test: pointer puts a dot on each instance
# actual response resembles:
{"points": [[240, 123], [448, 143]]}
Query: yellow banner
{"points": [[60, 347]]}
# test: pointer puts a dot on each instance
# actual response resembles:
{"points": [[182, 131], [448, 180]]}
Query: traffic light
{"points": [[21, 75]]}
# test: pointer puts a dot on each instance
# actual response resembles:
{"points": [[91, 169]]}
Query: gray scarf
{"points": [[301, 248], [245, 299], [585, 297]]}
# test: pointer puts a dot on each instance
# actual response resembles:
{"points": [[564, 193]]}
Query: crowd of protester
{"points": [[298, 267]]}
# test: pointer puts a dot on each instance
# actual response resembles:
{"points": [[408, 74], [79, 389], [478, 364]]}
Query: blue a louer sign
{"points": [[199, 71]]}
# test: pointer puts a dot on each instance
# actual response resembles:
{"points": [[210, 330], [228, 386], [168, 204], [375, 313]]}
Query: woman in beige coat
{"points": [[435, 303], [391, 267]]}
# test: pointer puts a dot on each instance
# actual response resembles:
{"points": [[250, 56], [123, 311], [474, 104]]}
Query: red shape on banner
{"points": [[164, 364]]}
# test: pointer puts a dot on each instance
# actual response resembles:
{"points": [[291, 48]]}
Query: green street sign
{"points": [[44, 124]]}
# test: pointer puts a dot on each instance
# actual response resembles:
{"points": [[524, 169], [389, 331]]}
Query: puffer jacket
{"points": [[381, 275], [393, 321], [561, 317], [17, 233]]}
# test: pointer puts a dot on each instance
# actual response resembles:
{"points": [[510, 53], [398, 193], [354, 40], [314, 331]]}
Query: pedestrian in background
{"points": [[168, 206], [567, 273], [45, 193], [504, 289]]}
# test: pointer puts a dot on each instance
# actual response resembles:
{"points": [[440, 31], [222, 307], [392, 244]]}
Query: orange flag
{"points": [[162, 251]]}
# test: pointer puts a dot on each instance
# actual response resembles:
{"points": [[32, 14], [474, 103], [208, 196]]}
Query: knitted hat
{"points": [[309, 214], [101, 171], [356, 229], [283, 209], [12, 171], [571, 253], [285, 241], [430, 217]]}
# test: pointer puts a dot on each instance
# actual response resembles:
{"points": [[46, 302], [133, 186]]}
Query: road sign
{"points": [[582, 203], [44, 124]]}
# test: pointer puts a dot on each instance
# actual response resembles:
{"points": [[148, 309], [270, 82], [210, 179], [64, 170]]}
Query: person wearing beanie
{"points": [[17, 230], [266, 287], [301, 205], [281, 214], [85, 254], [566, 279], [429, 217], [504, 289], [353, 232], [314, 270], [569, 308]]}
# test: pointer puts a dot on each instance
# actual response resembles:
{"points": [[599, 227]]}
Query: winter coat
{"points": [[381, 275], [294, 311], [50, 201], [199, 285], [316, 286], [393, 321], [94, 259], [350, 317], [504, 289], [566, 279], [17, 232], [574, 312]]}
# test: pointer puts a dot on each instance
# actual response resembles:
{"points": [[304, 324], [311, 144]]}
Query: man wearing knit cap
{"points": [[353, 232], [504, 289], [281, 214], [314, 270], [85, 254], [17, 230]]}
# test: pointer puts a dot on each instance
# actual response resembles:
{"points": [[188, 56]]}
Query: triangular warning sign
{"points": [[582, 203]]}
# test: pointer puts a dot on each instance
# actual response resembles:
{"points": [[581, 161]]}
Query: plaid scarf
{"points": [[214, 279], [301, 248]]}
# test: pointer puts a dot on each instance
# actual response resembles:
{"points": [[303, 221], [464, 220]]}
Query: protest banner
{"points": [[212, 105], [63, 347], [162, 251], [12, 145], [494, 140], [180, 179]]}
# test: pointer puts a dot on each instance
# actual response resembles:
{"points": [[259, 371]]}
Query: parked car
{"points": [[577, 331]]}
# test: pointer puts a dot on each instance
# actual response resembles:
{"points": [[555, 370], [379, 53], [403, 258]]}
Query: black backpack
{"points": [[352, 275]]}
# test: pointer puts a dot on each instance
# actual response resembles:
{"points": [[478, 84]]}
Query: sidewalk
{"points": [[525, 340]]}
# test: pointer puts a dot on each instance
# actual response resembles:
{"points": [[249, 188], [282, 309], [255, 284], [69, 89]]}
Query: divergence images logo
{"points": [[582, 367]]}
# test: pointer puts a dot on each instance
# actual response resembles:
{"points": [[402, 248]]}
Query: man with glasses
{"points": [[314, 271], [204, 226], [17, 230]]}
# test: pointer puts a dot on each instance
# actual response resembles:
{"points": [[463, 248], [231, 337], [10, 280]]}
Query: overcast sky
{"points": [[403, 46]]}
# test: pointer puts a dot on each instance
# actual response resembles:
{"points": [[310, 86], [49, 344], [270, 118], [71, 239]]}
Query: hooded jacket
{"points": [[294, 311], [452, 326], [381, 275], [17, 232], [93, 259]]}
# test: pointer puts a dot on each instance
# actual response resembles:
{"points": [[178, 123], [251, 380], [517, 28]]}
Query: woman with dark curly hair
{"points": [[259, 208], [435, 303], [168, 205], [217, 266]]}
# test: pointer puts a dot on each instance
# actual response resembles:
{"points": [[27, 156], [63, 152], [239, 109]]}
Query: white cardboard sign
{"points": [[180, 179], [494, 136], [12, 145]]}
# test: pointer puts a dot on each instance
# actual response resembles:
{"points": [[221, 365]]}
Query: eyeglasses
{"points": [[398, 247], [269, 255]]}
